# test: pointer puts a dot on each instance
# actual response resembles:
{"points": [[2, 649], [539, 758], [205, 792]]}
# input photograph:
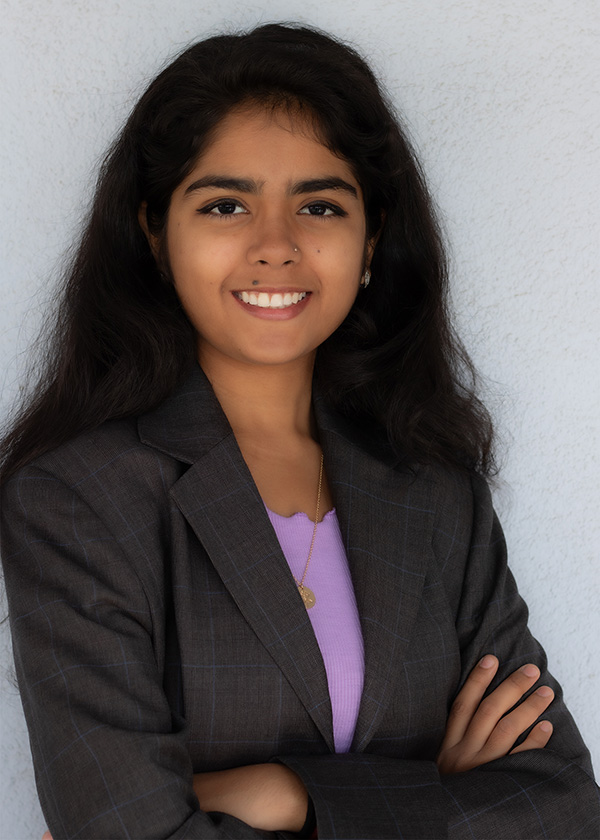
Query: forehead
{"points": [[270, 143]]}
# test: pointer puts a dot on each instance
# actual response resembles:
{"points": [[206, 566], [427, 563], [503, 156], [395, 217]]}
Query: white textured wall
{"points": [[502, 100]]}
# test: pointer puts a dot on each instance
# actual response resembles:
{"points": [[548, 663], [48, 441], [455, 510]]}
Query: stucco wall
{"points": [[502, 101]]}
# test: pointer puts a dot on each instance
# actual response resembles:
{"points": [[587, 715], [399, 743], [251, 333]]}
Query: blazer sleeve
{"points": [[110, 759], [547, 793]]}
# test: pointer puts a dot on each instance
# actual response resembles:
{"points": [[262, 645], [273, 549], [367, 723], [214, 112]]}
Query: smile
{"points": [[271, 301]]}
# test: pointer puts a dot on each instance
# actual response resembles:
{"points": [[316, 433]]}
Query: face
{"points": [[266, 241]]}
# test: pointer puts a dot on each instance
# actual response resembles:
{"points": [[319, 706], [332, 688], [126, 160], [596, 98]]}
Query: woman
{"points": [[253, 335]]}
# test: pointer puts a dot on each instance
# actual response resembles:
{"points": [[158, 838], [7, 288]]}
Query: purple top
{"points": [[334, 616]]}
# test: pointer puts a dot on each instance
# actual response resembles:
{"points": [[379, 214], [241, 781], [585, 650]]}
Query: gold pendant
{"points": [[308, 596]]}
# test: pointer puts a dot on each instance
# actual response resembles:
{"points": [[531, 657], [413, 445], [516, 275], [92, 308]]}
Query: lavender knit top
{"points": [[334, 616]]}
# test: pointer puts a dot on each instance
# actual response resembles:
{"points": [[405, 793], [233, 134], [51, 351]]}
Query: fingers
{"points": [[512, 725], [481, 730], [493, 708], [537, 738], [468, 699], [520, 719]]}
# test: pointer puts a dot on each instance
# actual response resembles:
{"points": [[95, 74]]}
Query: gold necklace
{"points": [[307, 595]]}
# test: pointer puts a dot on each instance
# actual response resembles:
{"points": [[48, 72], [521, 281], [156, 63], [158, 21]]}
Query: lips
{"points": [[275, 300]]}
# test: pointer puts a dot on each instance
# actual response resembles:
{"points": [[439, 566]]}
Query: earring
{"points": [[366, 278]]}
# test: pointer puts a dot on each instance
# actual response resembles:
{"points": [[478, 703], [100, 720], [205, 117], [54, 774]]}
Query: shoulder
{"points": [[113, 449], [451, 504], [461, 501], [108, 470], [453, 508], [451, 491], [467, 543], [458, 494], [142, 453], [94, 509]]}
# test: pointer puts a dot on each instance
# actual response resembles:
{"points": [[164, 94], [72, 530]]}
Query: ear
{"points": [[372, 242], [153, 240]]}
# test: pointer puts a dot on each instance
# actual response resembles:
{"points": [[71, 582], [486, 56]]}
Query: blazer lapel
{"points": [[383, 515], [220, 501]]}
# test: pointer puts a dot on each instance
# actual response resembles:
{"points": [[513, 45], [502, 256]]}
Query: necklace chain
{"points": [[307, 595]]}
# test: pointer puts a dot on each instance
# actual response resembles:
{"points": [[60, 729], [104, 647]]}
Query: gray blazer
{"points": [[158, 632]]}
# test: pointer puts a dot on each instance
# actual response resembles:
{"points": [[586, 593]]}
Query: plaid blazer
{"points": [[158, 632]]}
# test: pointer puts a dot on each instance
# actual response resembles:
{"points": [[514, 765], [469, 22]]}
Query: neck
{"points": [[273, 401]]}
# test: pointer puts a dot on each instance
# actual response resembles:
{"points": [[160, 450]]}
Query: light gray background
{"points": [[501, 100]]}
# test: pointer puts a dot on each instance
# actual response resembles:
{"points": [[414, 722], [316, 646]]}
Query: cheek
{"points": [[345, 268], [191, 305], [202, 261], [344, 253], [342, 288]]}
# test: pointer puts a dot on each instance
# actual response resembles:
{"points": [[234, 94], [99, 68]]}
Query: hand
{"points": [[479, 730], [270, 797]]}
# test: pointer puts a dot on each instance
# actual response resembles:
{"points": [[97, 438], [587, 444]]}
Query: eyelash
{"points": [[207, 211], [335, 210]]}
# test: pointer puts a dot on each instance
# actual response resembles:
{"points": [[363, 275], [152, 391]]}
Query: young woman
{"points": [[248, 543]]}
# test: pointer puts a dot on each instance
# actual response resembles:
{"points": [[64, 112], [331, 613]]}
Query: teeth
{"points": [[274, 301]]}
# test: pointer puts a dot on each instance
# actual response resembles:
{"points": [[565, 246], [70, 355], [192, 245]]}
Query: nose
{"points": [[273, 243]]}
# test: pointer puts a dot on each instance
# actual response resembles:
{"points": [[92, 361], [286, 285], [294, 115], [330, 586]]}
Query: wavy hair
{"points": [[122, 342]]}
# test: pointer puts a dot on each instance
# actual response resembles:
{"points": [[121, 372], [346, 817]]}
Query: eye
{"points": [[322, 208], [224, 207]]}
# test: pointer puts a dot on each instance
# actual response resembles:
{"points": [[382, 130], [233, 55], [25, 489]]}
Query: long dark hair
{"points": [[122, 342]]}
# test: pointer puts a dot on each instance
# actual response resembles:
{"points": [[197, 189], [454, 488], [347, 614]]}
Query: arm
{"points": [[271, 797], [111, 759], [74, 600], [547, 793], [266, 796], [478, 731]]}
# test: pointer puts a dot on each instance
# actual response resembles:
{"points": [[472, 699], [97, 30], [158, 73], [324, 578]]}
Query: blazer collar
{"points": [[188, 423], [381, 511], [220, 501], [386, 519]]}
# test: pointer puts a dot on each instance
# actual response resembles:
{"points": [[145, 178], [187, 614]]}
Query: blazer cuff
{"points": [[356, 795], [308, 830]]}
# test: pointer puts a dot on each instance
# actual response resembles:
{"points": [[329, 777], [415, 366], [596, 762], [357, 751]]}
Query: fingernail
{"points": [[544, 691], [530, 670], [546, 726], [487, 661]]}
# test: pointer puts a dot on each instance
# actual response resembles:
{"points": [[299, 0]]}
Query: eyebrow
{"points": [[222, 182], [247, 185], [321, 184]]}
